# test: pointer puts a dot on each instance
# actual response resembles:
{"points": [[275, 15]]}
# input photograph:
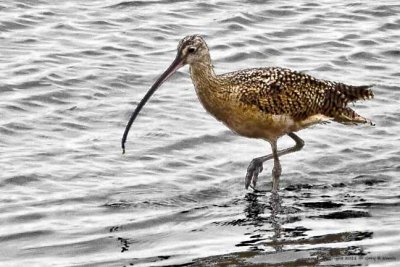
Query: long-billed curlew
{"points": [[264, 103]]}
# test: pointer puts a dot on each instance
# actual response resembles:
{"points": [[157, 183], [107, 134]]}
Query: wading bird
{"points": [[264, 103]]}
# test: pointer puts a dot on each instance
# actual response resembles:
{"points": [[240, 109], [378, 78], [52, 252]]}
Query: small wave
{"points": [[25, 235], [346, 214], [20, 180], [127, 4]]}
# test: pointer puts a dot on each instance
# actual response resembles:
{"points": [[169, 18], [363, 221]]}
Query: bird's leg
{"points": [[277, 169], [256, 165]]}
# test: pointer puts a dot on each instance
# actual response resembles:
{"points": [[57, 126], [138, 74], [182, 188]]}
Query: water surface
{"points": [[73, 71]]}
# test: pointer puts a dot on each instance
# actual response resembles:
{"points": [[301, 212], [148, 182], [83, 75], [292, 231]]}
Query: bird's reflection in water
{"points": [[255, 210], [276, 207], [270, 241]]}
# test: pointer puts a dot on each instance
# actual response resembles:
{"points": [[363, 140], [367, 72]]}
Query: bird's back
{"points": [[280, 91]]}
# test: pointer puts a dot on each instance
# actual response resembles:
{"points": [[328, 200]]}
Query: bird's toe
{"points": [[254, 169]]}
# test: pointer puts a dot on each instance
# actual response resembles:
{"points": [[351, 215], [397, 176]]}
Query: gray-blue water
{"points": [[71, 73]]}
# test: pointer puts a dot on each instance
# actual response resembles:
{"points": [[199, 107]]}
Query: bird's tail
{"points": [[338, 99], [349, 116], [354, 93]]}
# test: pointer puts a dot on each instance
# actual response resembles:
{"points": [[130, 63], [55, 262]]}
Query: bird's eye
{"points": [[191, 49]]}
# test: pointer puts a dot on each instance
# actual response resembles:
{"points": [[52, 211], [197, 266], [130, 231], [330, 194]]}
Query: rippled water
{"points": [[71, 73]]}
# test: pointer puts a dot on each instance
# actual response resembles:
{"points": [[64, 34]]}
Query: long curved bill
{"points": [[176, 64]]}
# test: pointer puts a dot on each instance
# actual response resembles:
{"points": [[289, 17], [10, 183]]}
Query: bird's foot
{"points": [[254, 169]]}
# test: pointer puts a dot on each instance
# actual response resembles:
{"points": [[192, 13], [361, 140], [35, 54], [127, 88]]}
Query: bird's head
{"points": [[191, 50]]}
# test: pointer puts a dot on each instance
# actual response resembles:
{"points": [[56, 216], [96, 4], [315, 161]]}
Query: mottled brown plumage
{"points": [[264, 103], [279, 100], [283, 91]]}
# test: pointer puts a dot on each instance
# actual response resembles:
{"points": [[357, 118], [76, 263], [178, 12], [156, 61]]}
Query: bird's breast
{"points": [[216, 104], [245, 120]]}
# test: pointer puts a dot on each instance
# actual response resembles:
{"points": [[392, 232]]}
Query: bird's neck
{"points": [[203, 76], [210, 89]]}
